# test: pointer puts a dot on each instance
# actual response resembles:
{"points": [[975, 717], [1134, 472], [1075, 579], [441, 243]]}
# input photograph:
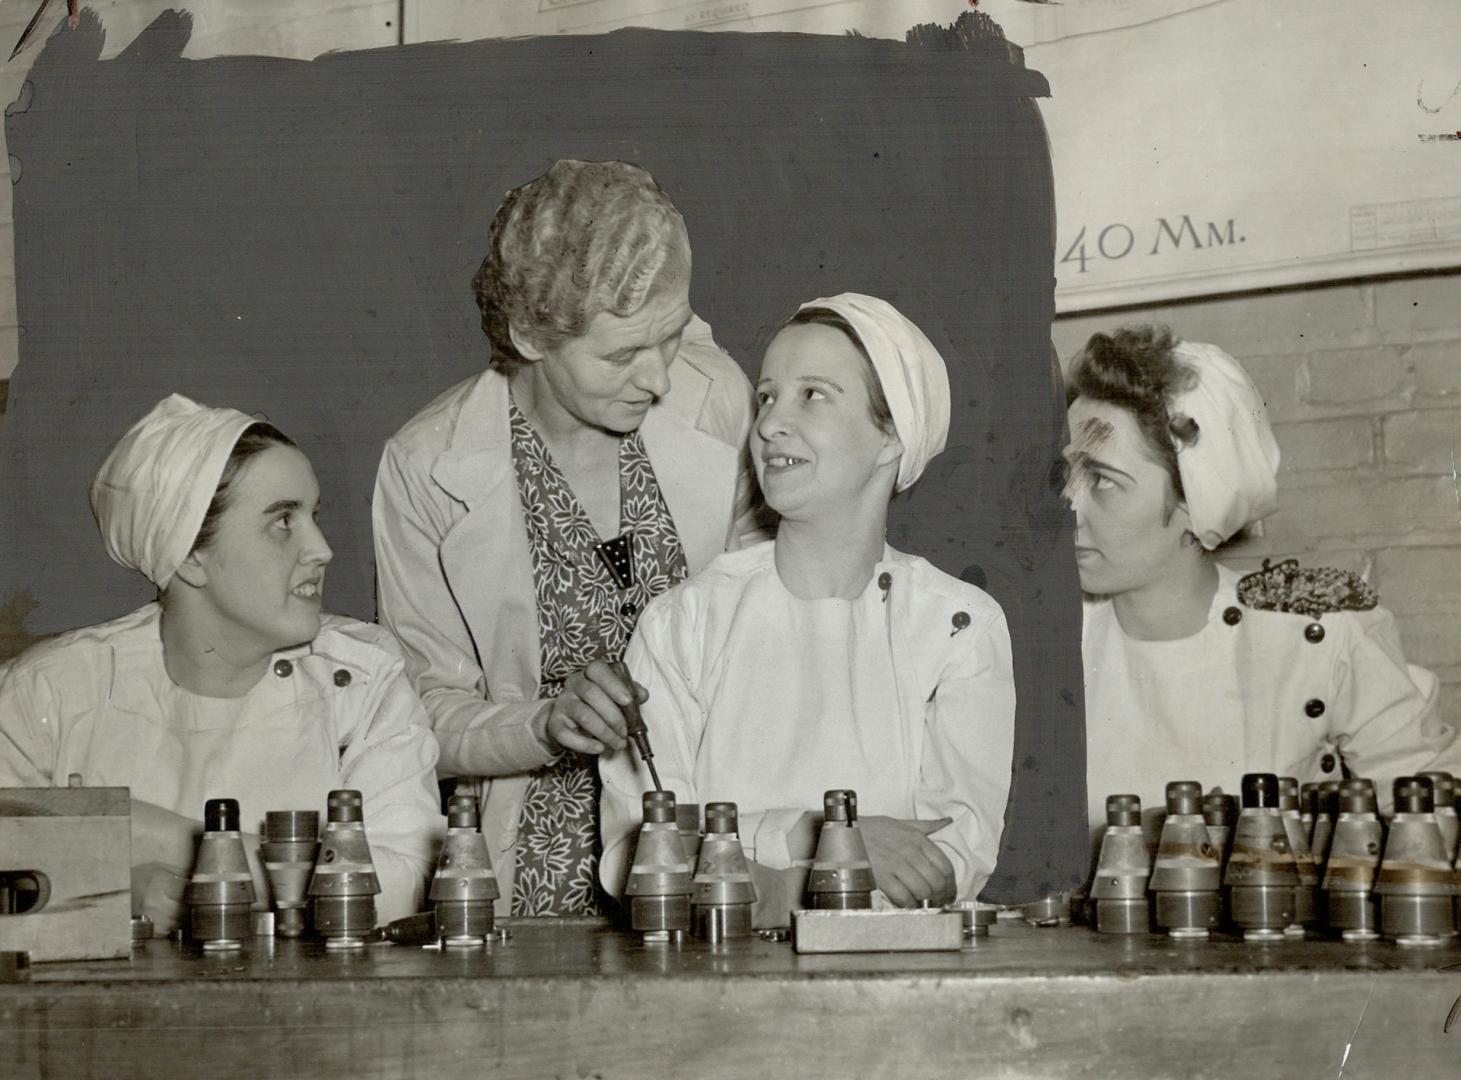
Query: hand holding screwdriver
{"points": [[634, 725]]}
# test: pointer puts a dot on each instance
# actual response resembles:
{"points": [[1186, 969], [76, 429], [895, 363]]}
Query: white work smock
{"points": [[1254, 691], [904, 694], [337, 713]]}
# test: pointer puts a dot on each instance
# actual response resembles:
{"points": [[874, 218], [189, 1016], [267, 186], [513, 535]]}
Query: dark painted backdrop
{"points": [[297, 239]]}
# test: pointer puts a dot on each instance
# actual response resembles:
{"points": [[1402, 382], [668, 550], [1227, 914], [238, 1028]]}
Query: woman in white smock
{"points": [[1192, 673], [826, 659], [232, 684]]}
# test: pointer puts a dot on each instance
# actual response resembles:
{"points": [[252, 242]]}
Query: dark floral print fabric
{"points": [[583, 614]]}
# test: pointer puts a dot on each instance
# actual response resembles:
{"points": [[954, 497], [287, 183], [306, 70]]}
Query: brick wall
{"points": [[1363, 385]]}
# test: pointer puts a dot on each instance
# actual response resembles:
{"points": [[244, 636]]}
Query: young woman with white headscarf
{"points": [[232, 684], [826, 659], [1192, 673]]}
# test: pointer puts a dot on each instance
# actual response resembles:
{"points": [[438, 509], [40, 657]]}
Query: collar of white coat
{"points": [[134, 690]]}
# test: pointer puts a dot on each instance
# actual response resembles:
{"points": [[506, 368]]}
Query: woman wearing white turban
{"points": [[233, 684], [826, 659], [1190, 672]]}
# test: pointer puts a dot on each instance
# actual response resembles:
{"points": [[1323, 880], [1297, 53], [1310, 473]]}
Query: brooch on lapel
{"points": [[1315, 592], [617, 555]]}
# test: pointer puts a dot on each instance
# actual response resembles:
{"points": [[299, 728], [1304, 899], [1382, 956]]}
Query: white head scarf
{"points": [[1230, 471], [152, 492], [911, 371]]}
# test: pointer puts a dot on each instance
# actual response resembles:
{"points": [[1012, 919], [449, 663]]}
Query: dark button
{"points": [[627, 609], [283, 668], [342, 677], [1232, 616], [1314, 707], [1314, 633], [961, 621], [1327, 763]]}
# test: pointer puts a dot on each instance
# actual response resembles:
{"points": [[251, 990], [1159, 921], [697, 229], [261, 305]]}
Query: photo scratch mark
{"points": [[1446, 136], [1350, 1045], [1420, 97], [1451, 1016]]}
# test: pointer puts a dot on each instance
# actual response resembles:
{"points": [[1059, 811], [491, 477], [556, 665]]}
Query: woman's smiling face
{"points": [[263, 571], [814, 442]]}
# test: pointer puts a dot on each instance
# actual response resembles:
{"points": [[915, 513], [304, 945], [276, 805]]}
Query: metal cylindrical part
{"points": [[1189, 914], [1184, 797], [292, 826], [343, 921], [652, 914], [1356, 915], [1123, 916], [463, 923], [659, 807], [1260, 789], [977, 918], [346, 804], [1123, 810], [1416, 920], [721, 922], [1262, 907], [461, 812], [1414, 795], [220, 815], [842, 900], [1187, 876], [220, 927], [839, 804], [288, 847]]}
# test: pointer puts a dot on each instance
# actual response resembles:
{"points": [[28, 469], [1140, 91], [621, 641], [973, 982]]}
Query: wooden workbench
{"points": [[575, 999]]}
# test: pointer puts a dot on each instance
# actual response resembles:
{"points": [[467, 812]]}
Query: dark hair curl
{"points": [[1135, 367]]}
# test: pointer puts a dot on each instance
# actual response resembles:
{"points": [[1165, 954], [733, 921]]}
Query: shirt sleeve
{"points": [[657, 662], [28, 729], [390, 757], [1385, 714], [967, 750], [477, 736]]}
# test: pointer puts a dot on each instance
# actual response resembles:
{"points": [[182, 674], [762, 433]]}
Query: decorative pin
{"points": [[885, 582], [617, 555], [961, 622]]}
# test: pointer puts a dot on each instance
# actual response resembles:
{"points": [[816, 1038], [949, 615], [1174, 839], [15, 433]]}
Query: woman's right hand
{"points": [[587, 715]]}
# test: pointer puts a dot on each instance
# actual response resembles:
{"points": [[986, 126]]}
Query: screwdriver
{"points": [[635, 723]]}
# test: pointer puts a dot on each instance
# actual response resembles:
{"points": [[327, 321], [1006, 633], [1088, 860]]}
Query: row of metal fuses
{"points": [[1268, 873]]}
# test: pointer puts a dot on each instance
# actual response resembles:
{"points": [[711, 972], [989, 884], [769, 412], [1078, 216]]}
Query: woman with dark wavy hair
{"points": [[1191, 672]]}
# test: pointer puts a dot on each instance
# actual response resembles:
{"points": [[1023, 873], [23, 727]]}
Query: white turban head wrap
{"points": [[1230, 470], [911, 372], [152, 492]]}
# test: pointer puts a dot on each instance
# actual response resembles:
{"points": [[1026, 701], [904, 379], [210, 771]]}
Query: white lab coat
{"points": [[906, 695], [337, 713], [1255, 691]]}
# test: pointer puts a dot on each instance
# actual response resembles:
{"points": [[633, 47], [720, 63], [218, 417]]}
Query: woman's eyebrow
{"points": [[822, 379], [284, 504]]}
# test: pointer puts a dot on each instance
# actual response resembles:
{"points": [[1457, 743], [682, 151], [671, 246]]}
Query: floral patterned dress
{"points": [[590, 594]]}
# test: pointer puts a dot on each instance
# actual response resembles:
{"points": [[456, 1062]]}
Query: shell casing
{"points": [[1120, 882], [220, 891], [724, 892], [841, 876], [1187, 878], [660, 881], [1416, 884], [1261, 875], [289, 865]]}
